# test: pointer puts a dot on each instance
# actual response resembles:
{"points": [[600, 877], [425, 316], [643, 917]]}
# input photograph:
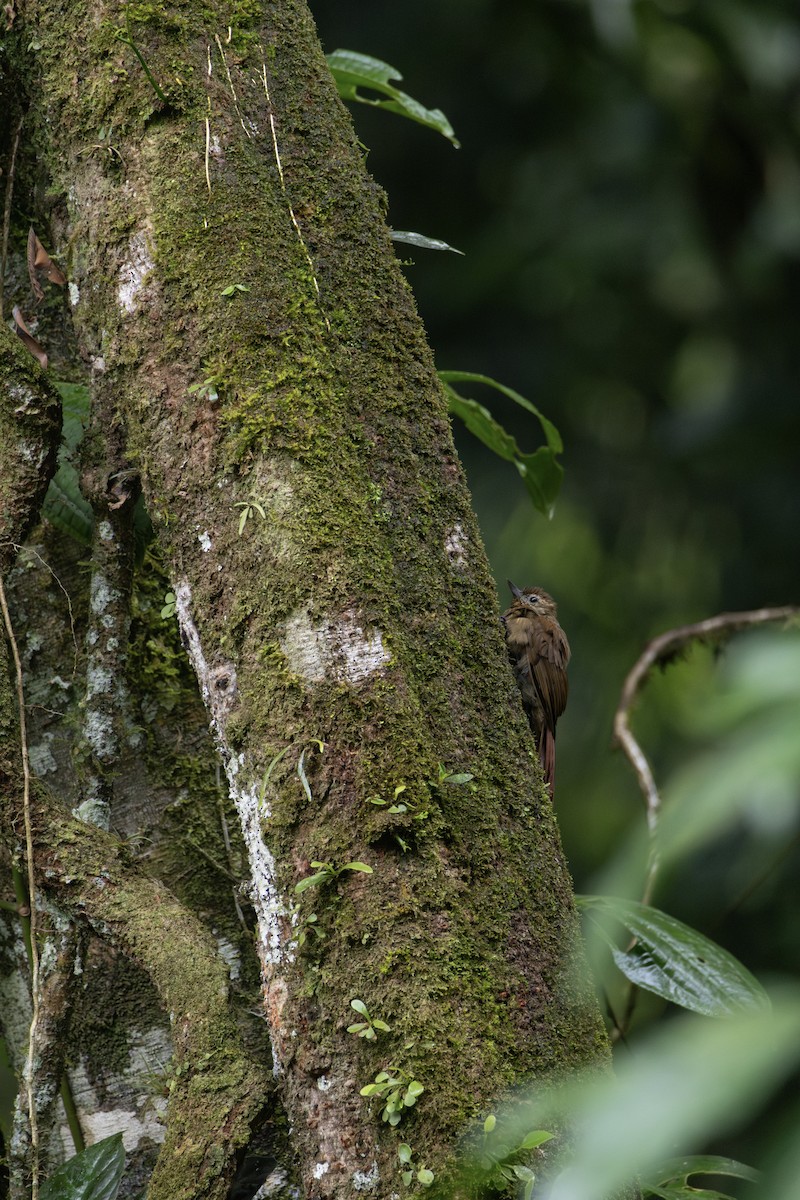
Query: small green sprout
{"points": [[496, 1157], [451, 777], [248, 507], [262, 794], [233, 288], [412, 1172], [326, 873], [207, 390], [369, 1027], [395, 807], [397, 1090], [169, 606], [309, 926]]}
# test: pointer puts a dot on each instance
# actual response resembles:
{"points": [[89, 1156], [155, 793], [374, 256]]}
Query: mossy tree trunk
{"points": [[258, 364]]}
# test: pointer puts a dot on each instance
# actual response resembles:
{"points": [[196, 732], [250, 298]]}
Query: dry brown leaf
{"points": [[40, 262], [28, 338]]}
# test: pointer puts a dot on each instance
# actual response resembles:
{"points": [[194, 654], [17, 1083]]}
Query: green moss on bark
{"points": [[326, 410]]}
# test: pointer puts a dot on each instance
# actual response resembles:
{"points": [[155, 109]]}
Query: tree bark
{"points": [[235, 292]]}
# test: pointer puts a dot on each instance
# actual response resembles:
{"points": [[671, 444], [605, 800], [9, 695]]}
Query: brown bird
{"points": [[539, 653]]}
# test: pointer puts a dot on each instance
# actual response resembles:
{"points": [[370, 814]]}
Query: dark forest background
{"points": [[627, 197]]}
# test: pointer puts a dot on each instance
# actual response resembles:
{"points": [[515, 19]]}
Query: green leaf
{"points": [[688, 1082], [679, 1170], [552, 436], [533, 1139], [273, 763], [540, 472], [310, 881], [407, 1177], [424, 243], [676, 962], [75, 408], [233, 288], [678, 1192], [360, 1007], [357, 866], [65, 507], [425, 1176], [94, 1174], [490, 1123], [243, 520], [207, 389], [352, 71], [458, 780], [382, 1026], [404, 1152], [304, 778]]}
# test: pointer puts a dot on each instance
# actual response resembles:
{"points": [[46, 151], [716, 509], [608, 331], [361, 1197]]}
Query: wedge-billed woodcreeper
{"points": [[539, 653]]}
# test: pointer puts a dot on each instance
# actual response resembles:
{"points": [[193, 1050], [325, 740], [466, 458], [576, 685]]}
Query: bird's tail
{"points": [[547, 757]]}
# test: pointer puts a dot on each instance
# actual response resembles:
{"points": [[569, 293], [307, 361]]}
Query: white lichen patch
{"points": [[101, 595], [455, 546], [21, 396], [244, 792], [105, 531], [93, 812], [205, 541], [231, 957], [338, 649], [41, 756], [101, 1125], [321, 1169], [365, 1181], [324, 1084], [266, 901], [98, 729], [128, 1104], [99, 680], [74, 294], [31, 453], [133, 272], [274, 1183]]}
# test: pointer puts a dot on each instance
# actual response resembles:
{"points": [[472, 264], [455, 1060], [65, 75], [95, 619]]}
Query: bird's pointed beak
{"points": [[515, 591]]}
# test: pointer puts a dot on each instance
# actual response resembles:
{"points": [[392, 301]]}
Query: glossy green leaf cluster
{"points": [[540, 471], [353, 71]]}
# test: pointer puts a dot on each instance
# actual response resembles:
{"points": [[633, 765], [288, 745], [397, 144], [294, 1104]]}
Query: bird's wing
{"points": [[548, 655]]}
